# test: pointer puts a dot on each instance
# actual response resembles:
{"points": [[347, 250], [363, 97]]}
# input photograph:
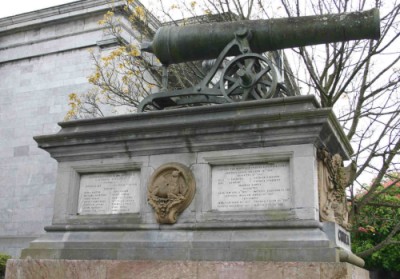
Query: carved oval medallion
{"points": [[171, 189]]}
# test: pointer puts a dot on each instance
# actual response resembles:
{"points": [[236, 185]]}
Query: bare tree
{"points": [[360, 80]]}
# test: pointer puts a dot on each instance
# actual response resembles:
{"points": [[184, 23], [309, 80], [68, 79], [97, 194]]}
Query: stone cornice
{"points": [[295, 120], [13, 50], [31, 20], [57, 13]]}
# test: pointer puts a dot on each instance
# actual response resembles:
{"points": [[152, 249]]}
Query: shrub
{"points": [[3, 261]]}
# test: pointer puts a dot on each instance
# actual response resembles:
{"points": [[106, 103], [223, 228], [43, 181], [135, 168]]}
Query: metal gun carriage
{"points": [[248, 75]]}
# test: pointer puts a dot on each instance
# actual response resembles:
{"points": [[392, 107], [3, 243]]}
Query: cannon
{"points": [[248, 75]]}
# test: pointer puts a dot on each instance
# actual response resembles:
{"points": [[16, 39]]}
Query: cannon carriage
{"points": [[247, 74]]}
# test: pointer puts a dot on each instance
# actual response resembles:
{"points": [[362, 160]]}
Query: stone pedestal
{"points": [[101, 269], [253, 171]]}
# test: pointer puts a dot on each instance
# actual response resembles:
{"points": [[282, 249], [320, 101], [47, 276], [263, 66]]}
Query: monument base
{"points": [[299, 242], [21, 269], [256, 198]]}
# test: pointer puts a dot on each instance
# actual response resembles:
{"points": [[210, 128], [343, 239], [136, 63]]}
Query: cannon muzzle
{"points": [[175, 44]]}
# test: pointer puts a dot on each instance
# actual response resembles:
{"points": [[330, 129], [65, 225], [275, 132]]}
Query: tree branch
{"points": [[385, 242]]}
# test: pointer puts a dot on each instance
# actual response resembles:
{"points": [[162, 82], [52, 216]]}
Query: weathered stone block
{"points": [[32, 269]]}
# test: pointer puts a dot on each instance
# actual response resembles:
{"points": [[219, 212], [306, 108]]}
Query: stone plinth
{"points": [[101, 269], [255, 185]]}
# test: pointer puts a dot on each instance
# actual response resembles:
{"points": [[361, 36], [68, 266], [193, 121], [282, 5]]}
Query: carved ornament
{"points": [[171, 189], [333, 179]]}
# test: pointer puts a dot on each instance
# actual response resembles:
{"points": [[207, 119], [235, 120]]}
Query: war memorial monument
{"points": [[232, 178]]}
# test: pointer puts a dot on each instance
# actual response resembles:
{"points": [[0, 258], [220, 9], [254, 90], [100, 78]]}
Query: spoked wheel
{"points": [[248, 77]]}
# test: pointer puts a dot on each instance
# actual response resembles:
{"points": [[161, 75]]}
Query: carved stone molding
{"points": [[333, 179], [171, 189]]}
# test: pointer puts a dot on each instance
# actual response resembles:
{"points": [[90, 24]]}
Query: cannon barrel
{"points": [[175, 44]]}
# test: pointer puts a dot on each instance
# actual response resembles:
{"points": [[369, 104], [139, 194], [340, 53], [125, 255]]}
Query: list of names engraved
{"points": [[109, 193], [251, 187]]}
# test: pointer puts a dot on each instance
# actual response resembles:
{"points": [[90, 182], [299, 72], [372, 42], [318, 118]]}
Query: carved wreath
{"points": [[171, 189]]}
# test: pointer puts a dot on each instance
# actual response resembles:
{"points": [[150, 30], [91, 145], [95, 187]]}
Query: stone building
{"points": [[43, 57]]}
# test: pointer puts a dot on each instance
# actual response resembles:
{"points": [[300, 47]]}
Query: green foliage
{"points": [[374, 223], [3, 261]]}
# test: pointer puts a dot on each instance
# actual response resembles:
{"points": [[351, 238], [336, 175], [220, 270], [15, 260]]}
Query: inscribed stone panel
{"points": [[251, 187], [109, 193]]}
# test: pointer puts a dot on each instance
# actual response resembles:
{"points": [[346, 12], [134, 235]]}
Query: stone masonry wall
{"points": [[42, 60], [34, 97]]}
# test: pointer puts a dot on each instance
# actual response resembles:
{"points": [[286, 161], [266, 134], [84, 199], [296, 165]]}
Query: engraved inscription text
{"points": [[251, 187], [109, 193]]}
